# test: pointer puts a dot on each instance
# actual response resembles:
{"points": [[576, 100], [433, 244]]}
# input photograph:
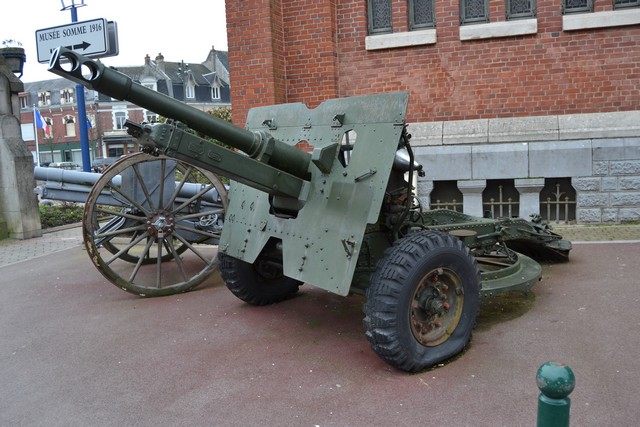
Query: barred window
{"points": [[577, 6], [621, 4], [421, 14], [379, 12], [474, 11], [517, 9]]}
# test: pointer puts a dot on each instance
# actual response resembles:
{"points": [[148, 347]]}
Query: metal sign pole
{"points": [[82, 108]]}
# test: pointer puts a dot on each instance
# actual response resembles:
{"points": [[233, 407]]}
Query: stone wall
{"points": [[612, 193], [599, 152]]}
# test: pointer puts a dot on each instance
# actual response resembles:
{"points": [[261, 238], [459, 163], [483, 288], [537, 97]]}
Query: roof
{"points": [[158, 69]]}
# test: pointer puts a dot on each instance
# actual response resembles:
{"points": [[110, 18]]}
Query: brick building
{"points": [[201, 85], [516, 106]]}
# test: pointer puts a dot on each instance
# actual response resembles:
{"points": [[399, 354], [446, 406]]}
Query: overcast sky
{"points": [[180, 30]]}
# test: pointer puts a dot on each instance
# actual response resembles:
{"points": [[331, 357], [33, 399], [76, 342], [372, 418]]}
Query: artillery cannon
{"points": [[341, 217]]}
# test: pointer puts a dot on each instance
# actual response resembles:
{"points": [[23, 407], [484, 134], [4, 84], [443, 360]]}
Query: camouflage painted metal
{"points": [[342, 217]]}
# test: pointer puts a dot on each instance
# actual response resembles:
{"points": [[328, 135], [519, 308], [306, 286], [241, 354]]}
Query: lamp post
{"points": [[73, 5]]}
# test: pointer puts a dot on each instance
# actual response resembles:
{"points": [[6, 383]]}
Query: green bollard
{"points": [[555, 381]]}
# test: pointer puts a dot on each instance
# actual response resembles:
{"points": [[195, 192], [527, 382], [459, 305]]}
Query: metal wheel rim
{"points": [[156, 229], [436, 307]]}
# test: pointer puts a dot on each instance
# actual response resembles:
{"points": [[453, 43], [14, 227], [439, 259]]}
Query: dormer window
{"points": [[66, 96], [44, 98], [190, 90], [215, 92], [150, 83]]}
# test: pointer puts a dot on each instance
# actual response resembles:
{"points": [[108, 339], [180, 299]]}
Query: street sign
{"points": [[90, 38]]}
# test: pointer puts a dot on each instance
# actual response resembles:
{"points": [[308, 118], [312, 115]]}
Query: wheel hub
{"points": [[160, 223], [436, 307]]}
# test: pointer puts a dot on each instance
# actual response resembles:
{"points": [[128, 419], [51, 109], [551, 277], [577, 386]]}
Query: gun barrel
{"points": [[94, 75]]}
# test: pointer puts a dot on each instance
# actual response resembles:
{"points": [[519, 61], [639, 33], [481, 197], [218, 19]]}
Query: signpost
{"points": [[90, 38], [96, 38]]}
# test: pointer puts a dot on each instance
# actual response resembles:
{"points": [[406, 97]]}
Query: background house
{"points": [[202, 85], [516, 107]]}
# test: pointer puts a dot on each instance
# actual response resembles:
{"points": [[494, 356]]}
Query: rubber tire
{"points": [[388, 307], [246, 282]]}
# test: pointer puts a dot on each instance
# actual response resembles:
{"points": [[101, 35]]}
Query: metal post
{"points": [[82, 108], [555, 381]]}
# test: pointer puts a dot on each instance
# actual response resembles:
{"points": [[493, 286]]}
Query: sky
{"points": [[181, 30]]}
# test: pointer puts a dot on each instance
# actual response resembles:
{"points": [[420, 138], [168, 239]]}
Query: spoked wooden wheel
{"points": [[151, 224]]}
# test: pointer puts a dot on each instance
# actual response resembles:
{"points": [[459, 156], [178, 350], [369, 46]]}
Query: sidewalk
{"points": [[53, 240]]}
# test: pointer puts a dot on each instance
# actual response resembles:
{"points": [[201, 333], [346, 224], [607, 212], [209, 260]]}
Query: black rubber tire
{"points": [[422, 262], [255, 284]]}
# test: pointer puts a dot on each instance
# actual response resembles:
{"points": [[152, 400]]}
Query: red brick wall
{"points": [[312, 50]]}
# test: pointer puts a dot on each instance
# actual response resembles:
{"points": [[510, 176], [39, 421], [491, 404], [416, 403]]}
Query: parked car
{"points": [[65, 165], [99, 164]]}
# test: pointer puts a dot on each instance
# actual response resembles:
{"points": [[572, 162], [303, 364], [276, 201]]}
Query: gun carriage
{"points": [[341, 216]]}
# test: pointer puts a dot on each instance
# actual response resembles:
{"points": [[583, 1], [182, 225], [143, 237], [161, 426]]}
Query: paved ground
{"points": [[75, 350]]}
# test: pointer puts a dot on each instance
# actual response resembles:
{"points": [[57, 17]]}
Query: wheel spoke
{"points": [[185, 176], [196, 231], [120, 231], [121, 214], [136, 170], [199, 214], [126, 248], [129, 199], [191, 199], [177, 259], [192, 248], [159, 262], [171, 258], [163, 165], [134, 273]]}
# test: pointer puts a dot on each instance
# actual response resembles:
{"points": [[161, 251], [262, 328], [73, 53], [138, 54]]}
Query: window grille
{"points": [[474, 11], [577, 6], [421, 14], [379, 12], [446, 195], [517, 9], [501, 199], [558, 200], [622, 4]]}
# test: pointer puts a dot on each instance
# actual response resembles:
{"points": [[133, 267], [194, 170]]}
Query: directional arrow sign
{"points": [[89, 38]]}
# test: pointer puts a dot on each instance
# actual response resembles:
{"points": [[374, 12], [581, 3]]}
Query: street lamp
{"points": [[73, 5]]}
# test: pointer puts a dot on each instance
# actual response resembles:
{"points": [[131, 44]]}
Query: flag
{"points": [[88, 123], [40, 123]]}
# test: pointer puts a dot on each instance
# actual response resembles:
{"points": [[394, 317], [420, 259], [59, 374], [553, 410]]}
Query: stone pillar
{"points": [[529, 189], [471, 190], [423, 192], [18, 203]]}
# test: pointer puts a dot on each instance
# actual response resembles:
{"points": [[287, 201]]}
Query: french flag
{"points": [[40, 123]]}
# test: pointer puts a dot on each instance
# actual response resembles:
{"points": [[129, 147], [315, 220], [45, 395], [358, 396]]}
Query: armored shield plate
{"points": [[322, 242]]}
